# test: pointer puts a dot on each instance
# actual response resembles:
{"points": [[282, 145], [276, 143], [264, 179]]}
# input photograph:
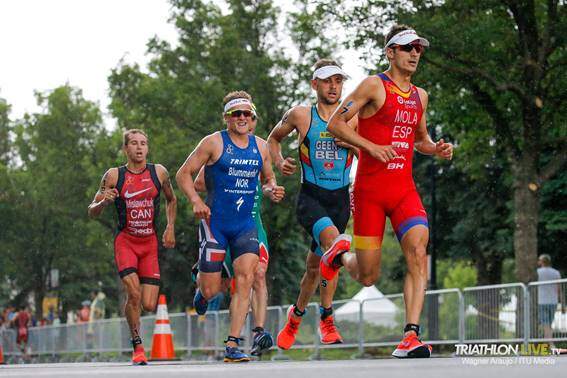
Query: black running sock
{"points": [[325, 312], [233, 339], [412, 327], [297, 311], [136, 340], [258, 330]]}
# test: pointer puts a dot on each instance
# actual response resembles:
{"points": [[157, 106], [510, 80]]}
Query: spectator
{"points": [[548, 295], [22, 321], [84, 313]]}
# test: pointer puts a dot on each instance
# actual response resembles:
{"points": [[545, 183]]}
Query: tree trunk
{"points": [[526, 217]]}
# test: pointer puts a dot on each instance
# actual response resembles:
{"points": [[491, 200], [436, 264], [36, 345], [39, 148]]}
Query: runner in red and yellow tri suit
{"points": [[135, 191], [392, 122]]}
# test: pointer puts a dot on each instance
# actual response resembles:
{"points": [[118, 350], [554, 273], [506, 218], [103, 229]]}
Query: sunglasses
{"points": [[238, 113], [407, 48]]}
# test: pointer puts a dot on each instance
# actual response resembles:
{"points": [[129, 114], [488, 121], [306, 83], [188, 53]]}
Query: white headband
{"points": [[239, 101], [406, 36], [328, 71]]}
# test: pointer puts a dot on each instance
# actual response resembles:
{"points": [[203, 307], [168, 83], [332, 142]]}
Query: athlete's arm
{"points": [[106, 193], [285, 127], [354, 124], [364, 94], [270, 186], [168, 238], [200, 185], [423, 142], [197, 159]]}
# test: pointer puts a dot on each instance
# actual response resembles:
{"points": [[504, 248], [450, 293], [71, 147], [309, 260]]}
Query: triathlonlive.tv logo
{"points": [[507, 350]]}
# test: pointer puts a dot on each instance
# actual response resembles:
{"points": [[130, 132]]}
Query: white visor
{"points": [[328, 71], [238, 101], [406, 36]]}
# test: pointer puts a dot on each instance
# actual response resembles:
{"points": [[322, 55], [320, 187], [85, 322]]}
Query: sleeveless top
{"points": [[232, 180], [323, 163], [138, 202]]}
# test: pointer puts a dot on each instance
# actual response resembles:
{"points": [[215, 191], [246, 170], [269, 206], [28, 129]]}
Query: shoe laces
{"points": [[292, 326], [328, 325]]}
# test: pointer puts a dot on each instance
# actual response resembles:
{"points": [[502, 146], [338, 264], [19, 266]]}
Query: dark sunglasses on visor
{"points": [[410, 46], [238, 113]]}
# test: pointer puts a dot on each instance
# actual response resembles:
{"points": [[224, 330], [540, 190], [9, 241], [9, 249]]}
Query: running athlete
{"points": [[323, 203], [233, 161], [262, 340], [135, 189], [391, 116]]}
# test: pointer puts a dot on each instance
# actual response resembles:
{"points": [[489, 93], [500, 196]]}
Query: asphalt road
{"points": [[457, 367]]}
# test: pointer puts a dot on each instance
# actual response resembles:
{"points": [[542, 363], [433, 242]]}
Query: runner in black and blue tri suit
{"points": [[233, 160], [323, 206]]}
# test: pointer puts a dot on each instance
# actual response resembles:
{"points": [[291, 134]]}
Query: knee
{"points": [[246, 278], [260, 279], [209, 291], [134, 298], [312, 273], [149, 305], [418, 254], [368, 279]]}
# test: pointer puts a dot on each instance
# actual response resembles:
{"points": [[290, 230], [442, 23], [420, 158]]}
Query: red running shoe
{"points": [[139, 356], [412, 347], [286, 337], [340, 245], [329, 332]]}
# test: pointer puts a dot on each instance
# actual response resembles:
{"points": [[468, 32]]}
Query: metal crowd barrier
{"points": [[484, 314]]}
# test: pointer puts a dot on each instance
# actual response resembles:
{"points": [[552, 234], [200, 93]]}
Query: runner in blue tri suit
{"points": [[233, 160]]}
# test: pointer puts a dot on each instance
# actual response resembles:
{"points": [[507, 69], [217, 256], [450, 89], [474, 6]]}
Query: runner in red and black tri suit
{"points": [[135, 190], [391, 116]]}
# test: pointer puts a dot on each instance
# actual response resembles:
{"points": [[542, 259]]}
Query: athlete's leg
{"points": [[260, 295], [414, 245], [244, 268], [150, 294], [309, 282], [210, 284], [328, 288], [409, 220], [133, 305], [369, 223]]}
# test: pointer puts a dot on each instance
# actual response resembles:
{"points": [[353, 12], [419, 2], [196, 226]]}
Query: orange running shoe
{"points": [[329, 332], [286, 337], [328, 269], [139, 356], [412, 347]]}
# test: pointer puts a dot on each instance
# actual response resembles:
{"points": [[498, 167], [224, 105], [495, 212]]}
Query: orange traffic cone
{"points": [[162, 343], [1, 356]]}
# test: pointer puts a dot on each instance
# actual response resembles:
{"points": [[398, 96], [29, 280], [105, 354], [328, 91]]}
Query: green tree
{"points": [[47, 224]]}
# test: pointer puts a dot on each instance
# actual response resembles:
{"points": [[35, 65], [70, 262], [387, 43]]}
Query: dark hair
{"points": [[236, 94], [127, 133], [395, 30], [325, 62]]}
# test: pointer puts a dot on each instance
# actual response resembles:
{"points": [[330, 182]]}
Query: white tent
{"points": [[377, 309]]}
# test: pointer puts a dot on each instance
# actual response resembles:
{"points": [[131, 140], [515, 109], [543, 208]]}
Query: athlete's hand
{"points": [[168, 238], [287, 166], [276, 192], [383, 153], [201, 210], [110, 196], [444, 150]]}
